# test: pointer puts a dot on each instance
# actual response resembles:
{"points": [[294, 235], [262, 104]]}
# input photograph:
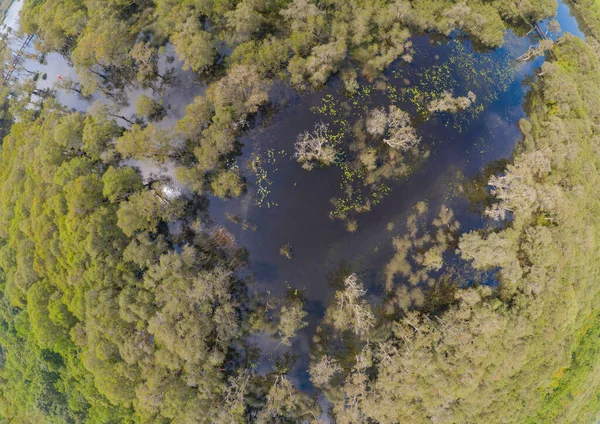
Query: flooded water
{"points": [[176, 97], [287, 204]]}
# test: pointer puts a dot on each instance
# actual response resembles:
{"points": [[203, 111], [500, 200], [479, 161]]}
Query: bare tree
{"points": [[234, 394], [538, 50], [401, 134], [377, 122], [312, 147]]}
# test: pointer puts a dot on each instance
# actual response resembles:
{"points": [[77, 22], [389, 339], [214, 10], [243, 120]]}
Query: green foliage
{"points": [[150, 142], [195, 46], [105, 316], [149, 108], [291, 320], [120, 183], [588, 13], [573, 394], [228, 184]]}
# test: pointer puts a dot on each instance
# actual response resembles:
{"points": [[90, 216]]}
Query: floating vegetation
{"points": [[263, 180], [249, 226], [484, 75], [370, 131], [352, 225], [237, 220], [373, 132], [233, 217], [380, 146]]}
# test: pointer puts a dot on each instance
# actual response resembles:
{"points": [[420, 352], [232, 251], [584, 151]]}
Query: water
{"points": [[12, 14], [176, 97], [296, 205], [567, 20]]}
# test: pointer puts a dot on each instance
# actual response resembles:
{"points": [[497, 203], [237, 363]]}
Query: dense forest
{"points": [[124, 302]]}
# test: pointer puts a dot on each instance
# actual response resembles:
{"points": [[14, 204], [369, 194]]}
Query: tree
{"points": [[285, 403], [148, 143], [68, 133], [325, 60], [482, 21], [314, 147], [540, 49], [69, 84], [291, 320], [228, 184], [244, 21], [449, 103], [402, 135], [99, 131], [197, 118], [350, 311], [243, 90], [120, 183], [143, 211], [149, 108], [84, 194], [101, 55], [195, 46], [377, 122], [322, 371], [146, 57]]}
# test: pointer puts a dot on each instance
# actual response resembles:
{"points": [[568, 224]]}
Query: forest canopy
{"points": [[121, 300]]}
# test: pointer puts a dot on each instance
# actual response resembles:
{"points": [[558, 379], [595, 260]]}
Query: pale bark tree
{"points": [[377, 122], [449, 103], [313, 147], [322, 371], [290, 322], [402, 136], [351, 309]]}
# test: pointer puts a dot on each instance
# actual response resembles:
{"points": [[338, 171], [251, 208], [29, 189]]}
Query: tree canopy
{"points": [[122, 301]]}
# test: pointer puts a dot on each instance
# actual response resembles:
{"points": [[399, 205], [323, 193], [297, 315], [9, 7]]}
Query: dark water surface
{"points": [[297, 203], [286, 204]]}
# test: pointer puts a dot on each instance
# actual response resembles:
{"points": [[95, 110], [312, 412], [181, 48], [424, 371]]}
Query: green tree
{"points": [[120, 183]]}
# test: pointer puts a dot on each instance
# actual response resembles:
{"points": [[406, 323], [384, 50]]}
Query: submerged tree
{"points": [[149, 108], [377, 122], [323, 371], [286, 404], [394, 126]]}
